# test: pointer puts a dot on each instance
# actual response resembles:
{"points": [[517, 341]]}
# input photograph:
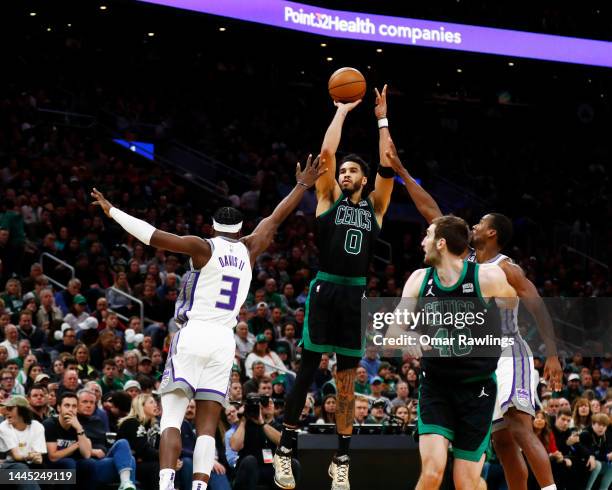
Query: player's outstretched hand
{"points": [[347, 106], [100, 200], [393, 159], [380, 109], [311, 172]]}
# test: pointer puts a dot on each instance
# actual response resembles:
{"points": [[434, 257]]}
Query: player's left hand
{"points": [[101, 201], [311, 172], [218, 468], [380, 109], [553, 374], [393, 158]]}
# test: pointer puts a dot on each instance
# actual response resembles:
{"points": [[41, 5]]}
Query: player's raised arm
{"points": [[528, 293], [190, 245], [426, 205], [264, 233], [383, 186], [328, 189]]}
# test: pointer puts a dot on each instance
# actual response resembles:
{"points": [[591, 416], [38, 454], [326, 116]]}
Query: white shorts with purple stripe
{"points": [[517, 381], [200, 361]]}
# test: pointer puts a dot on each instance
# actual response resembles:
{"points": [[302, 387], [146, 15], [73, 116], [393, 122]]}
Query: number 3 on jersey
{"points": [[231, 293], [352, 242]]}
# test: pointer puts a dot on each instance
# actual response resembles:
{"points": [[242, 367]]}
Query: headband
{"points": [[227, 228]]}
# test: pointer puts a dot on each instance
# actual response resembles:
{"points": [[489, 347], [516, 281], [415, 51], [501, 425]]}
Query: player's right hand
{"points": [[347, 106], [380, 110], [393, 158]]}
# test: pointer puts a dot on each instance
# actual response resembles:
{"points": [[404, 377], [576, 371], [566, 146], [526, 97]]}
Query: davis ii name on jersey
{"points": [[231, 261]]}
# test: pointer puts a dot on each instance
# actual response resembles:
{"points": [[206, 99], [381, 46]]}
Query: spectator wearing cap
{"points": [[362, 385], [78, 312], [11, 341], [81, 354], [573, 389], [145, 366], [260, 322], [21, 437], [371, 362], [245, 340], [65, 299], [47, 312], [28, 331], [283, 353], [87, 330], [377, 386], [261, 352], [38, 398], [132, 387], [388, 376], [109, 382], [377, 414]]}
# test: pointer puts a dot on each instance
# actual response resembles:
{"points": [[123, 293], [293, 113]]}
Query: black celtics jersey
{"points": [[346, 234], [461, 327]]}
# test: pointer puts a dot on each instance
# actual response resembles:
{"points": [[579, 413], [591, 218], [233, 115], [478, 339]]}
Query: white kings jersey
{"points": [[215, 293], [509, 317]]}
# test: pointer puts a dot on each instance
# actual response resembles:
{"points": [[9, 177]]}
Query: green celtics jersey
{"points": [[346, 234], [463, 328]]}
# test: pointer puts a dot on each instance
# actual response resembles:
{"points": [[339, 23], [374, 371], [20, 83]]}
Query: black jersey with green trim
{"points": [[346, 234], [463, 327]]}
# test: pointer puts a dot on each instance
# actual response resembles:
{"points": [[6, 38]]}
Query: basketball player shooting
{"points": [[348, 224], [517, 378], [202, 352]]}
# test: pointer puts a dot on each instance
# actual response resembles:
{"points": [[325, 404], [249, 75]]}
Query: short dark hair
{"points": [[503, 227], [264, 380], [365, 168], [25, 413], [564, 411], [70, 360], [228, 216], [37, 387], [66, 394], [121, 400], [109, 362], [11, 362], [455, 231]]}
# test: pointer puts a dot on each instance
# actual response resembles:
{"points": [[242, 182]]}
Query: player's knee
{"points": [[502, 441], [432, 475]]}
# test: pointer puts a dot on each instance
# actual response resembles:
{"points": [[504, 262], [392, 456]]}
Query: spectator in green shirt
{"points": [[109, 381], [272, 297], [362, 385]]}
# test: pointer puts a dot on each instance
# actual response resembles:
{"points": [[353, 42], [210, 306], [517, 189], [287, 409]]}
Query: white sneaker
{"points": [[339, 473], [126, 485], [283, 474]]}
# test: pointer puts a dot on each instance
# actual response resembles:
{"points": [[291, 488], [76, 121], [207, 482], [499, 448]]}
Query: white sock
{"points": [[124, 475], [198, 485], [166, 479], [550, 487]]}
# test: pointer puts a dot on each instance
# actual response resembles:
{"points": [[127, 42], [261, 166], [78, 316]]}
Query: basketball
{"points": [[346, 85]]}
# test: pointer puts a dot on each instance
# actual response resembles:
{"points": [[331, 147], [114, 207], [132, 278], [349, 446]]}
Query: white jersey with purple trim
{"points": [[214, 294], [509, 317]]}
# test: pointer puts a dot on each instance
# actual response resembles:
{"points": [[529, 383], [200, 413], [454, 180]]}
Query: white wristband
{"points": [[383, 123], [134, 226]]}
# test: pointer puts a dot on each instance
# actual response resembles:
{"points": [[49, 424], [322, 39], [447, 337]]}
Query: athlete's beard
{"points": [[351, 191], [432, 258]]}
